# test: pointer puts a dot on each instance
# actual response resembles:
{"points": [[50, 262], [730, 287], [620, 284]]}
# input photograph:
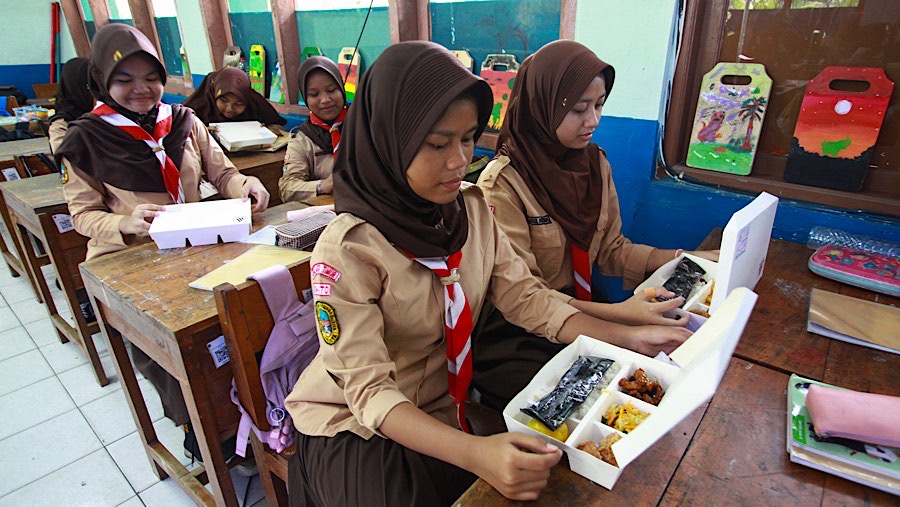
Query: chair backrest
{"points": [[11, 103], [247, 324], [44, 90]]}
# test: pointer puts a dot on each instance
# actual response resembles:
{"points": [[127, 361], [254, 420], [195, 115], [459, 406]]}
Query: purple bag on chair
{"points": [[292, 345]]}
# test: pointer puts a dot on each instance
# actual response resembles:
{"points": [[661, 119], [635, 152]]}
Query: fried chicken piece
{"points": [[603, 450]]}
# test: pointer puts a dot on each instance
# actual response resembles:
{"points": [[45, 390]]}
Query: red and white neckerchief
{"points": [[334, 128], [457, 328], [581, 265], [162, 128]]}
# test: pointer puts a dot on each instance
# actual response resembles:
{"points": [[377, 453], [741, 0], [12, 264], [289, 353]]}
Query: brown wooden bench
{"points": [[246, 324]]}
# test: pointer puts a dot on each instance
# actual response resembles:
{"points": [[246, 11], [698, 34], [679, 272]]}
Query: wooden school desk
{"points": [[9, 149], [733, 450], [28, 208], [142, 294], [265, 165]]}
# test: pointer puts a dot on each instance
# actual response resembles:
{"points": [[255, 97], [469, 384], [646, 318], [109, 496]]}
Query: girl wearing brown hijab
{"points": [[73, 99], [309, 160], [225, 95], [400, 277], [131, 156], [552, 193]]}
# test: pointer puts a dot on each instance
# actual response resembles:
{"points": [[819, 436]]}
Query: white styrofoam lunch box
{"points": [[742, 257], [703, 359], [202, 223]]}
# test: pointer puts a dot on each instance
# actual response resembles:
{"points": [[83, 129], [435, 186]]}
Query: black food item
{"points": [[687, 272], [573, 388]]}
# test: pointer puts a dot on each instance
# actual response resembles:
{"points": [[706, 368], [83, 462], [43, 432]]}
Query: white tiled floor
{"points": [[64, 440]]}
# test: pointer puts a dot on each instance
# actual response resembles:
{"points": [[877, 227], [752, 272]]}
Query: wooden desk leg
{"points": [[33, 263], [203, 420], [133, 394], [17, 265]]}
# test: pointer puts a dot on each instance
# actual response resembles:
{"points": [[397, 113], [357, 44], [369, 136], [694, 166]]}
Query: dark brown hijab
{"points": [[236, 82], [73, 98], [567, 183], [402, 95], [106, 152], [318, 135]]}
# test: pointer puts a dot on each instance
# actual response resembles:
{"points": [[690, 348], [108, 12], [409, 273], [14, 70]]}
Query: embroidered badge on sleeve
{"points": [[328, 324], [320, 268]]}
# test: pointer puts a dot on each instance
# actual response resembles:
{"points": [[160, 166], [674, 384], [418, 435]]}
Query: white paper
{"points": [[219, 351], [264, 236], [63, 223]]}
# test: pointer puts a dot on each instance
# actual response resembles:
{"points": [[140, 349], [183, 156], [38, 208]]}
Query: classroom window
{"points": [[120, 12], [483, 27], [795, 40], [251, 24], [167, 27], [332, 27], [88, 19]]}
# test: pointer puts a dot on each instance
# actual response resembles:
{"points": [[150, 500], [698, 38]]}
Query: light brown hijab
{"points": [[567, 183], [402, 95]]}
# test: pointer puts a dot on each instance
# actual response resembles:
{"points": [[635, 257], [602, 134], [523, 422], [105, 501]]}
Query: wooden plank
{"points": [[567, 15], [100, 12], [287, 44], [408, 21], [75, 22], [218, 29], [142, 15]]}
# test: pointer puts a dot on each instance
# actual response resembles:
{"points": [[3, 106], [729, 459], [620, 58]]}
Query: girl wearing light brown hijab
{"points": [[131, 156], [400, 278], [309, 161], [552, 193], [225, 95]]}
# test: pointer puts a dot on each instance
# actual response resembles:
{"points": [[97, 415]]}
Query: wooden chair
{"points": [[246, 324], [45, 90]]}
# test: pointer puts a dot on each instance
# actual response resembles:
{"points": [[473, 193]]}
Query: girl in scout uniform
{"points": [[225, 95], [309, 160], [73, 99], [551, 191], [133, 155], [399, 278]]}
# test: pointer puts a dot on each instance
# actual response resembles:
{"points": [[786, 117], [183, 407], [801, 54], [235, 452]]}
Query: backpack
{"points": [[292, 345]]}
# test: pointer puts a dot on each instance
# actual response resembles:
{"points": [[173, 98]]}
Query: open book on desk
{"points": [[257, 258]]}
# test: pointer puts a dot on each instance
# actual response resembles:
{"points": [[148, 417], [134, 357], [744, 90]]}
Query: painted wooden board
{"points": [[836, 131], [465, 57], [310, 51], [729, 118], [499, 70], [349, 62], [258, 69]]}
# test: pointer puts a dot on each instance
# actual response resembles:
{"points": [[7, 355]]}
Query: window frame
{"points": [[704, 21]]}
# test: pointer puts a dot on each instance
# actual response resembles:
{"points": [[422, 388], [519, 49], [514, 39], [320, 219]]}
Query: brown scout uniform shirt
{"points": [[541, 241], [388, 322], [97, 208], [304, 165], [57, 132]]}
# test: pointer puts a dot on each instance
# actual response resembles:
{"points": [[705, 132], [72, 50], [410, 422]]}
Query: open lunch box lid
{"points": [[742, 257], [703, 358]]}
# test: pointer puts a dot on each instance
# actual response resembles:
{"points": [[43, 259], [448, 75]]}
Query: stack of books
{"points": [[877, 466]]}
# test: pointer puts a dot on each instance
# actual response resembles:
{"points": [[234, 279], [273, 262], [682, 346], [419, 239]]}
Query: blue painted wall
{"points": [[23, 76], [318, 28], [170, 42], [249, 28]]}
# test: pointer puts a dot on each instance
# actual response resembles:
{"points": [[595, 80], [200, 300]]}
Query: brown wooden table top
{"points": [[151, 285], [9, 149], [30, 196], [244, 160], [738, 454], [319, 200]]}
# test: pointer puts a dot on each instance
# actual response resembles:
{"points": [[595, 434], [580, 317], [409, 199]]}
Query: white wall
{"points": [[634, 37], [26, 37]]}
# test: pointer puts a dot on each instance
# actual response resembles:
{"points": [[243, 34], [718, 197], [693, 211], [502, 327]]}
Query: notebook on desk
{"points": [[257, 258]]}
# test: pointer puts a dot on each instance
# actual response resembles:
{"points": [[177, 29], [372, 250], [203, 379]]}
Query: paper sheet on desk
{"points": [[264, 236], [854, 321]]}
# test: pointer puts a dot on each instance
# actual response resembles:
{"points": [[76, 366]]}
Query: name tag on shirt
{"points": [[543, 220]]}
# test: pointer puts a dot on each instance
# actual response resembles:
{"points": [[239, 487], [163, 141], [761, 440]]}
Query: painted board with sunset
{"points": [[836, 131]]}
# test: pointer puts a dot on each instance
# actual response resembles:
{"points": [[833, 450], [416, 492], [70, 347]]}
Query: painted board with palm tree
{"points": [[730, 111]]}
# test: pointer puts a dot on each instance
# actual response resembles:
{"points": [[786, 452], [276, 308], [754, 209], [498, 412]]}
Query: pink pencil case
{"points": [[867, 417], [868, 270]]}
